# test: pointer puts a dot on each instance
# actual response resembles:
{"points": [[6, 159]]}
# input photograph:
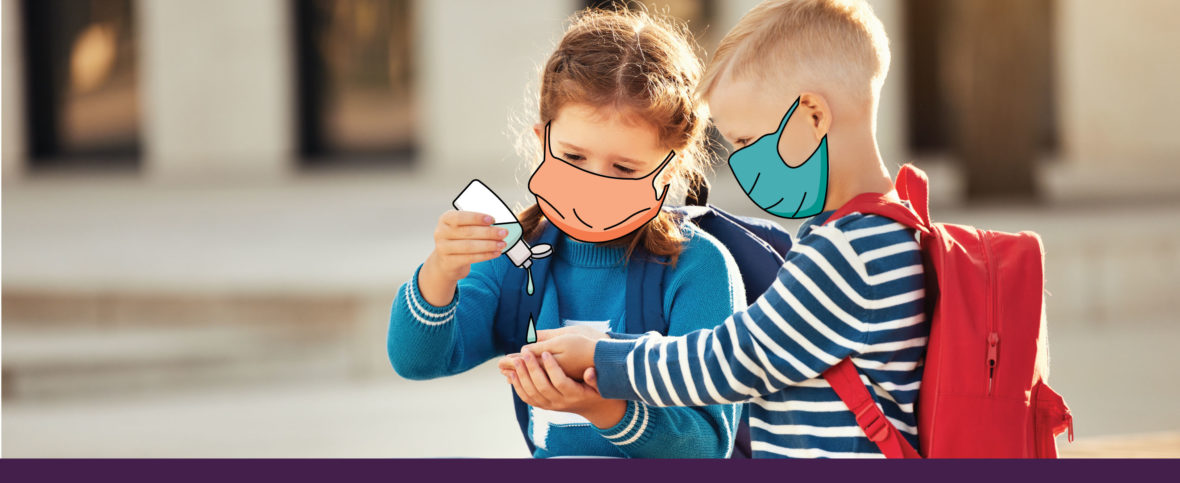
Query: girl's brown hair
{"points": [[644, 65]]}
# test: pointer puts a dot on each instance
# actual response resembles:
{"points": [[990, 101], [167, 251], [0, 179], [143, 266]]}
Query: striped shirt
{"points": [[853, 288]]}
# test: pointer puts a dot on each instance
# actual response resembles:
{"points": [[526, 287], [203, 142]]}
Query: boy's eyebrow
{"points": [[731, 137]]}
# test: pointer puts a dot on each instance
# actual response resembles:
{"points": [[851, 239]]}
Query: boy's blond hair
{"points": [[838, 45]]}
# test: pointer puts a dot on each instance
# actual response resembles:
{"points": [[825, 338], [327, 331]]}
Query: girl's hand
{"points": [[549, 388], [461, 239]]}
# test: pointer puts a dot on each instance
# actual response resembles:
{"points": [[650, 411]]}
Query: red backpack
{"points": [[983, 392]]}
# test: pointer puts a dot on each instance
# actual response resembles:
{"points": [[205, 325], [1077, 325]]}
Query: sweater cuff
{"points": [[424, 311], [623, 336], [632, 429], [610, 362]]}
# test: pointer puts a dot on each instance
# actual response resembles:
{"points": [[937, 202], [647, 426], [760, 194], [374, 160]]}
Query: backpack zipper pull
{"points": [[993, 340]]}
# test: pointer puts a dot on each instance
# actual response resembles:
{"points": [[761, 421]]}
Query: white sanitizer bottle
{"points": [[478, 198]]}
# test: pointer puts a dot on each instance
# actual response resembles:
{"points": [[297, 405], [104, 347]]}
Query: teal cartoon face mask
{"points": [[781, 190]]}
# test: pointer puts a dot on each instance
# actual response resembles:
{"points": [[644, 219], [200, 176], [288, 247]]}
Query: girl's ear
{"points": [[667, 174], [539, 130], [819, 113]]}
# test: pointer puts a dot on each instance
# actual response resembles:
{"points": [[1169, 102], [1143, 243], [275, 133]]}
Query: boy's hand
{"points": [[543, 384], [568, 345], [573, 349], [582, 330]]}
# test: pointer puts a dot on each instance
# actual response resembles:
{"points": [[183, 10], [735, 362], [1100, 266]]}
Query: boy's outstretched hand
{"points": [[541, 382], [572, 348]]}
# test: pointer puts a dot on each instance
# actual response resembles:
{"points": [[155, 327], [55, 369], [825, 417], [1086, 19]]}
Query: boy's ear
{"points": [[818, 112], [539, 130]]}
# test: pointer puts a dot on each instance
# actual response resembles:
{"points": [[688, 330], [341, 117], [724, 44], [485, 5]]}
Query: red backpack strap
{"points": [[846, 382], [912, 185]]}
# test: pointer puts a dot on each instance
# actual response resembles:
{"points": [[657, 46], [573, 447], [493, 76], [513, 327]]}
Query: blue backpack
{"points": [[757, 245]]}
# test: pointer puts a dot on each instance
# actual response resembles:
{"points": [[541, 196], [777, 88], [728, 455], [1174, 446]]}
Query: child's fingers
{"points": [[462, 218], [552, 346], [476, 232], [551, 334], [465, 247], [541, 379], [547, 334], [515, 382], [536, 348], [505, 363], [590, 377], [476, 258], [526, 383], [566, 386]]}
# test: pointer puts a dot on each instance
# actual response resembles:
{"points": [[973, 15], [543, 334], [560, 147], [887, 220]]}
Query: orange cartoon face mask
{"points": [[591, 207]]}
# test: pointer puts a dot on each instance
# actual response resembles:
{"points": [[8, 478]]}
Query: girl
{"points": [[620, 131]]}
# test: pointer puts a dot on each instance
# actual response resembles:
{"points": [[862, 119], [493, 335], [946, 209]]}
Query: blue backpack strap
{"points": [[522, 419], [756, 245], [510, 328], [645, 294]]}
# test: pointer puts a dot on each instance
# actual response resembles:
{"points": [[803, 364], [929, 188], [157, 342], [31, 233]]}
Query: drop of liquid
{"points": [[532, 335], [529, 287]]}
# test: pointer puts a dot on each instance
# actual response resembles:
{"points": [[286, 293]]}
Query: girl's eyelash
{"points": [[573, 158]]}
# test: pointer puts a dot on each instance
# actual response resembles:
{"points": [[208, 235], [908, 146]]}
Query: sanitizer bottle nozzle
{"points": [[520, 254], [479, 198]]}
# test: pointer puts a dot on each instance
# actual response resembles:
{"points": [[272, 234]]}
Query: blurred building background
{"points": [[207, 205]]}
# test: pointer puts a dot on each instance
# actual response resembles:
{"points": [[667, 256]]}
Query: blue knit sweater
{"points": [[427, 341]]}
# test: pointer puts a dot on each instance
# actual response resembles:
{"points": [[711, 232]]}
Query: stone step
{"points": [[116, 307], [1150, 445], [54, 362]]}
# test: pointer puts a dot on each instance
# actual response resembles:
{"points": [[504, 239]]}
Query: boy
{"points": [[849, 288]]}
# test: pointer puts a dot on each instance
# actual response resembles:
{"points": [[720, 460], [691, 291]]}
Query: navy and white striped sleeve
{"points": [[851, 288]]}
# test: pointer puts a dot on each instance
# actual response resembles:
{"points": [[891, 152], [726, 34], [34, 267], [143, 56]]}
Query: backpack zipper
{"points": [[993, 336]]}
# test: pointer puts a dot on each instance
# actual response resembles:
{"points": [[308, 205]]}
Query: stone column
{"points": [[217, 84], [14, 153], [994, 63], [1118, 104], [473, 60]]}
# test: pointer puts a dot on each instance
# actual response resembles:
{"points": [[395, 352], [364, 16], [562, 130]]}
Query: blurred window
{"points": [[930, 45], [699, 14], [82, 70], [980, 90], [356, 81]]}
